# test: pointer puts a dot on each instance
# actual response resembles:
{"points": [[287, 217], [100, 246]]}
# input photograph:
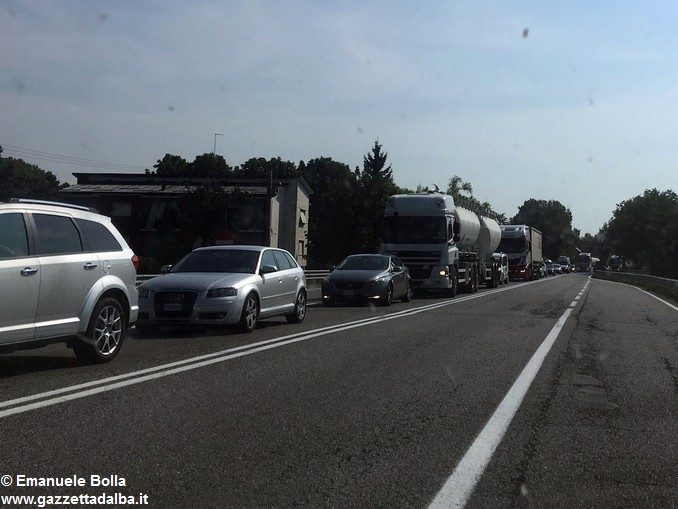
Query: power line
{"points": [[64, 159]]}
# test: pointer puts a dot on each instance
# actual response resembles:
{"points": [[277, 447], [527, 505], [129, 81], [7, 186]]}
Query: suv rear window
{"points": [[99, 238], [56, 235], [13, 239]]}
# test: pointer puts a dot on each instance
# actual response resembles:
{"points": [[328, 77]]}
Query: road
{"points": [[367, 407]]}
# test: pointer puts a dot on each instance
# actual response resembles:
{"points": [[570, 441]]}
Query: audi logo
{"points": [[174, 297]]}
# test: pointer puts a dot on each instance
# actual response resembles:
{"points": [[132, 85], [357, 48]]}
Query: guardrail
{"points": [[662, 285], [312, 276]]}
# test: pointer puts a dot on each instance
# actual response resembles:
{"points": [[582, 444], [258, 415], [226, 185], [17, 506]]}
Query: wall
{"points": [[659, 285]]}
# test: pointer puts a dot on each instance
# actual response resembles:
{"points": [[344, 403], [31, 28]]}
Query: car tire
{"points": [[105, 333], [299, 313], [408, 295], [250, 314], [388, 296]]}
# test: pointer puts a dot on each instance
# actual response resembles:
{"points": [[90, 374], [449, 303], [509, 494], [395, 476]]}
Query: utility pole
{"points": [[214, 151]]}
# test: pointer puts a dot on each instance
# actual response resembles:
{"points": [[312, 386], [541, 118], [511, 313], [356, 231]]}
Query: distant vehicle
{"points": [[502, 260], [443, 246], [224, 285], [550, 268], [540, 269], [523, 244], [565, 264], [67, 276], [368, 277], [584, 262], [557, 268], [615, 262]]}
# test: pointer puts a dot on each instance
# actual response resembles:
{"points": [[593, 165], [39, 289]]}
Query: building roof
{"points": [[154, 189], [138, 179]]}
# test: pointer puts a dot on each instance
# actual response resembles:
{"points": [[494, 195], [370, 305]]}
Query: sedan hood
{"points": [[196, 281], [357, 275]]}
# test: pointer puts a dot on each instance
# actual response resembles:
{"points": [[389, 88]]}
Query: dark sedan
{"points": [[368, 277]]}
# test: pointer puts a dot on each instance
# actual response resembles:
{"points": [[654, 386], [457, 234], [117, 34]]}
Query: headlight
{"points": [[379, 280], [143, 292], [222, 292], [442, 272]]}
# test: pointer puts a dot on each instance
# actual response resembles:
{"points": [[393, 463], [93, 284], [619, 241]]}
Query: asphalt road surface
{"points": [[561, 392]]}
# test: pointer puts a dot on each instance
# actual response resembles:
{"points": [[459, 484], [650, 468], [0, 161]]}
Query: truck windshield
{"points": [[512, 245], [414, 230]]}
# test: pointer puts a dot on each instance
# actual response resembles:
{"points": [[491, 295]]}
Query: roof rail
{"points": [[54, 204]]}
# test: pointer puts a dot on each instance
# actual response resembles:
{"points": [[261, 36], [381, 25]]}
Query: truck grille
{"points": [[419, 263], [181, 304]]}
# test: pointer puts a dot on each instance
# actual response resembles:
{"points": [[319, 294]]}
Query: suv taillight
{"points": [[135, 261]]}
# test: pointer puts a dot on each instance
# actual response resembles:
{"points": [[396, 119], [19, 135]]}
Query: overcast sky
{"points": [[584, 109]]}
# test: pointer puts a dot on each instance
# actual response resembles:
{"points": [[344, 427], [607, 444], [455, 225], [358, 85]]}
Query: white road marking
{"points": [[49, 398], [459, 486]]}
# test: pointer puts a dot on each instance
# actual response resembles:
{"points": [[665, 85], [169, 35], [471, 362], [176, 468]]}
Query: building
{"points": [[163, 218]]}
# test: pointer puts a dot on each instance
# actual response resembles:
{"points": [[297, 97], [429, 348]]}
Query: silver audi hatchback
{"points": [[225, 285], [66, 275]]}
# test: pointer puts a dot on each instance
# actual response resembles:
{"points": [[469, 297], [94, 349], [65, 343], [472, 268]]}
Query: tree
{"points": [[462, 194], [205, 211], [261, 167], [209, 165], [554, 220], [19, 179], [171, 166], [332, 217], [645, 229], [376, 185]]}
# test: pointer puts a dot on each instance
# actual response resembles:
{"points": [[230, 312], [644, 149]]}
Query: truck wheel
{"points": [[454, 279], [474, 280]]}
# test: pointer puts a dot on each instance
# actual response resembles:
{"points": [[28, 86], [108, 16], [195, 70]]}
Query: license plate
{"points": [[171, 307], [348, 293]]}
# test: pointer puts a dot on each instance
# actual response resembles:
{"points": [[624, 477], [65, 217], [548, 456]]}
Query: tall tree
{"points": [[462, 193], [333, 216], [554, 220], [210, 166], [171, 166], [645, 229], [19, 179], [261, 167], [376, 185]]}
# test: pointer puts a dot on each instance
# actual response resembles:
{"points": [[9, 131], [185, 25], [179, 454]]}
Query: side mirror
{"points": [[267, 269], [165, 269]]}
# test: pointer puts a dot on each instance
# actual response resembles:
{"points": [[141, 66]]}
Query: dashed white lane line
{"points": [[78, 391], [459, 486]]}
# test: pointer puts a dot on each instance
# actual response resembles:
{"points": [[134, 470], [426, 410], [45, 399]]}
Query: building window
{"points": [[300, 250], [302, 218]]}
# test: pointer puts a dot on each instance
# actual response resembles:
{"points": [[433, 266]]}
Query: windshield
{"points": [[512, 245], [364, 263], [240, 261], [414, 230]]}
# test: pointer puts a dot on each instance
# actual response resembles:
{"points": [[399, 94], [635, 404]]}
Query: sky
{"points": [[572, 101]]}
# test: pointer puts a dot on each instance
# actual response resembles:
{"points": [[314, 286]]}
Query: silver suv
{"points": [[66, 274]]}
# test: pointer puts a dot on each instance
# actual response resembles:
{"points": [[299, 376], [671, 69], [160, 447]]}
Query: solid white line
{"points": [[144, 375], [459, 486], [675, 308]]}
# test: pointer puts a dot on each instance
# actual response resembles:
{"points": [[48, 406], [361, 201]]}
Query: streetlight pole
{"points": [[214, 151]]}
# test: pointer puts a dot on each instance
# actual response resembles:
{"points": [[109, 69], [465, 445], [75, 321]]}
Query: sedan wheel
{"points": [[250, 314], [388, 296], [299, 313]]}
